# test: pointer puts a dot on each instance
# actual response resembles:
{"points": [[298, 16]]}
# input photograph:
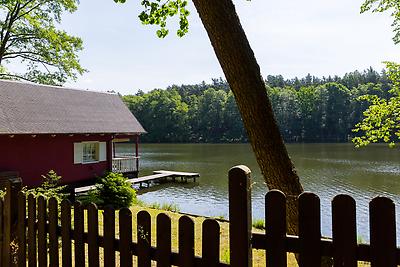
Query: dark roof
{"points": [[27, 108]]}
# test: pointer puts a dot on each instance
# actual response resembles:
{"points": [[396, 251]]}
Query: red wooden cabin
{"points": [[70, 131]]}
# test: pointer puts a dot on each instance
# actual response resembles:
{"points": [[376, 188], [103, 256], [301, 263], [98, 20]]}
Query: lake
{"points": [[325, 169]]}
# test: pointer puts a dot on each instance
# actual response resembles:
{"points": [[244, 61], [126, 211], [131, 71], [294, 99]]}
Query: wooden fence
{"points": [[48, 234]]}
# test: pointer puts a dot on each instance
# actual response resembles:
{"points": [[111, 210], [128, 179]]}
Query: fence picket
{"points": [[93, 233], [144, 238], [125, 237], [344, 231], [309, 230], [41, 231], [163, 240], [32, 258], [186, 241], [2, 237], [275, 219], [210, 243], [240, 216], [21, 230], [109, 236], [79, 245], [53, 237], [66, 233], [382, 232]]}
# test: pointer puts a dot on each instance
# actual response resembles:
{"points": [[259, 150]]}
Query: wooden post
{"points": [[110, 152], [240, 216], [13, 186], [137, 154]]}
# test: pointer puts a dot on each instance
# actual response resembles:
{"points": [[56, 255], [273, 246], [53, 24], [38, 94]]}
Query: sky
{"points": [[288, 37]]}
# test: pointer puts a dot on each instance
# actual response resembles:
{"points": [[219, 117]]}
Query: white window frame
{"points": [[96, 152], [100, 152]]}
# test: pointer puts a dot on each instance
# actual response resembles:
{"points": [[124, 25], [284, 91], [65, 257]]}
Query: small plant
{"points": [[259, 224], [154, 205], [50, 187], [2, 193], [170, 207], [226, 256], [114, 189], [360, 239]]}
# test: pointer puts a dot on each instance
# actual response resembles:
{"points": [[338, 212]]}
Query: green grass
{"points": [[259, 224]]}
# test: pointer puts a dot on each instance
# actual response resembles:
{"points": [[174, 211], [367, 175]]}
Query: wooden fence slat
{"points": [[163, 240], [186, 241], [275, 219], [41, 231], [125, 237], [66, 233], [53, 237], [1, 232], [109, 235], [309, 230], [240, 216], [21, 230], [93, 233], [210, 243], [344, 231], [32, 258], [79, 245], [382, 232], [144, 238]]}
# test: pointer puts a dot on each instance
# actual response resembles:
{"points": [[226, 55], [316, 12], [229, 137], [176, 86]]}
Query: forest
{"points": [[308, 109]]}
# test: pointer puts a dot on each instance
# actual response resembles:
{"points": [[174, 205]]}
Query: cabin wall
{"points": [[35, 156]]}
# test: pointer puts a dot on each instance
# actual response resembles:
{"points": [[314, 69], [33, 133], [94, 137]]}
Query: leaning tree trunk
{"points": [[243, 75]]}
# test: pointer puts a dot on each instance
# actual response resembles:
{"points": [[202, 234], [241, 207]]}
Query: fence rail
{"points": [[45, 229]]}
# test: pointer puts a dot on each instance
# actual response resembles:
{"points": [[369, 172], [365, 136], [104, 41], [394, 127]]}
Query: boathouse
{"points": [[72, 132]]}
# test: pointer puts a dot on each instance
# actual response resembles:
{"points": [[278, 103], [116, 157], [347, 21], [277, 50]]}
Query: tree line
{"points": [[308, 109]]}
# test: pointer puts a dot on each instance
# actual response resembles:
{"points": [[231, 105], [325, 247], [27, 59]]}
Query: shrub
{"points": [[50, 187], [114, 189]]}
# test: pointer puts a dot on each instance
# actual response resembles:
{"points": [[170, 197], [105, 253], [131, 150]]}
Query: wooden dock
{"points": [[157, 176]]}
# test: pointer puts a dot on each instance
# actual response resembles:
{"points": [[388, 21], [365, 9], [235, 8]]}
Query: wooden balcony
{"points": [[125, 164]]}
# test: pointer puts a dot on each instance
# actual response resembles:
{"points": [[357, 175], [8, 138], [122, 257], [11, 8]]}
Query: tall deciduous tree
{"points": [[381, 120], [31, 47], [244, 77]]}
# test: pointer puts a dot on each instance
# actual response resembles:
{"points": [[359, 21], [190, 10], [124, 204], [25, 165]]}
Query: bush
{"points": [[50, 187], [114, 189]]}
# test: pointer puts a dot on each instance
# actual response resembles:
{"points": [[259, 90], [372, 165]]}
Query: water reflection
{"points": [[325, 169]]}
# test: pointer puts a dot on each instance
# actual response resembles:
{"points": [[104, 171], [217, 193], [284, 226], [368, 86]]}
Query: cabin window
{"points": [[89, 152]]}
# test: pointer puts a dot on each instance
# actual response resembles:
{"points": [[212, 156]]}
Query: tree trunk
{"points": [[243, 75]]}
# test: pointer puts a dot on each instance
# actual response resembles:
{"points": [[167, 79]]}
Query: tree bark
{"points": [[243, 75]]}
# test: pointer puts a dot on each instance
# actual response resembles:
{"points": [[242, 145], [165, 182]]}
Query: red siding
{"points": [[35, 156]]}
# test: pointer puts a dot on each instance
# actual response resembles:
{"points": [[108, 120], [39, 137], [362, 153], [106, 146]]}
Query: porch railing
{"points": [[124, 164]]}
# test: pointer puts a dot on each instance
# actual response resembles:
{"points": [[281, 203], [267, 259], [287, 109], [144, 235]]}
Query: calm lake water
{"points": [[325, 169]]}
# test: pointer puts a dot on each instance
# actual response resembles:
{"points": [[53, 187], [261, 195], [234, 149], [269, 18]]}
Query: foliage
{"points": [[381, 120], [259, 224], [50, 187], [226, 256], [386, 5], [2, 193], [29, 38], [308, 109], [157, 12], [113, 189]]}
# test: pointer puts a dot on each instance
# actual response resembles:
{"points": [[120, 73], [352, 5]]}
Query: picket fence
{"points": [[46, 236]]}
